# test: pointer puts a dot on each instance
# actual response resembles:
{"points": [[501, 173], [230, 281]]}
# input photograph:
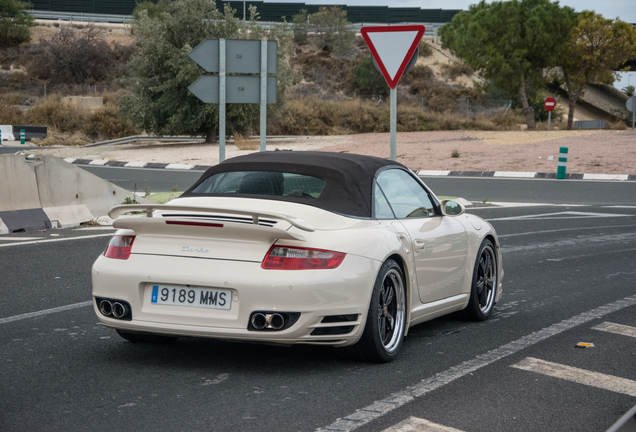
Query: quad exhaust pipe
{"points": [[261, 321], [114, 308]]}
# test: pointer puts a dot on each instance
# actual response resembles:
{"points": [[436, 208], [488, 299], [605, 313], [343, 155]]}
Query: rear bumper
{"points": [[313, 293]]}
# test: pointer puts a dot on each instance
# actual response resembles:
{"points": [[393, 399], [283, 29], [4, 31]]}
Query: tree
{"points": [[161, 71], [510, 42], [596, 48], [154, 10], [15, 21], [332, 31], [299, 22]]}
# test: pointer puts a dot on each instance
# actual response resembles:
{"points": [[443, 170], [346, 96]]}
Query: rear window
{"points": [[271, 183]]}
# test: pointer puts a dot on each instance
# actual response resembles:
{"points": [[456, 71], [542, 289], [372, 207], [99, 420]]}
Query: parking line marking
{"points": [[56, 240], [379, 408], [44, 312], [616, 328], [580, 376], [415, 424]]}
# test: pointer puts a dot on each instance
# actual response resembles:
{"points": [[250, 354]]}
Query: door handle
{"points": [[419, 245]]}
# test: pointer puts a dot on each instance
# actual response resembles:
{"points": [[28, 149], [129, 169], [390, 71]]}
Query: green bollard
{"points": [[22, 136], [563, 162]]}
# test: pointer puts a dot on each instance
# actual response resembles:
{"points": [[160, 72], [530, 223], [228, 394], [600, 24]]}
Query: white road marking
{"points": [[621, 207], [564, 229], [57, 240], [579, 240], [562, 215], [414, 424], [17, 239], [616, 328], [379, 408], [514, 174], [605, 176], [580, 376], [45, 312]]}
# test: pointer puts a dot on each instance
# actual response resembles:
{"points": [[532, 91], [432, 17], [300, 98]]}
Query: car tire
{"points": [[484, 284], [146, 337], [384, 329]]}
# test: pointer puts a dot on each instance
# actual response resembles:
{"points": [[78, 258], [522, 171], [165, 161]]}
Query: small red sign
{"points": [[549, 104]]}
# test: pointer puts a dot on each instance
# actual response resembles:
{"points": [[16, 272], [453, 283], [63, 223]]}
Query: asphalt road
{"points": [[568, 270], [471, 188]]}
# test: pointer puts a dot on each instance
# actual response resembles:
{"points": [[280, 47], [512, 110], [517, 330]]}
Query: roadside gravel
{"points": [[593, 152]]}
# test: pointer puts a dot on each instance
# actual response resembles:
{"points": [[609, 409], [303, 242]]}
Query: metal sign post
{"points": [[393, 139], [263, 128], [631, 105], [221, 100]]}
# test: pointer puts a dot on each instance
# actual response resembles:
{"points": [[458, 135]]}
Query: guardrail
{"points": [[81, 17], [135, 138]]}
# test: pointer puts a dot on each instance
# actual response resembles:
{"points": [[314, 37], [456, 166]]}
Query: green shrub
{"points": [[57, 114], [106, 123], [367, 78], [15, 22]]}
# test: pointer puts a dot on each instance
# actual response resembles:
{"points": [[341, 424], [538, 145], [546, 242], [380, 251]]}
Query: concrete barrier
{"points": [[7, 133], [47, 192], [18, 184]]}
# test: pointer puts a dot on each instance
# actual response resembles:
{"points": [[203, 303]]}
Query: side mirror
{"points": [[452, 208]]}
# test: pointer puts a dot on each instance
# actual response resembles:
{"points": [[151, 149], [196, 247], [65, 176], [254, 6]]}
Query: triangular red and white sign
{"points": [[392, 48]]}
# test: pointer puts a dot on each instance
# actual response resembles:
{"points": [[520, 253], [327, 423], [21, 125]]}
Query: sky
{"points": [[623, 9]]}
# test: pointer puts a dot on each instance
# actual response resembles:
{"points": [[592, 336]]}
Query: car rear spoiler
{"points": [[117, 211]]}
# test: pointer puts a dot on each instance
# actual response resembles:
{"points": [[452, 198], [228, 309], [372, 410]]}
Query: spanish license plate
{"points": [[193, 297]]}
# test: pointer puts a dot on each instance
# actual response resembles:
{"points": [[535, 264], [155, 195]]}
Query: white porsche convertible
{"points": [[297, 247]]}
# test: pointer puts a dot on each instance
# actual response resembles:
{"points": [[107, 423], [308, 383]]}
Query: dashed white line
{"points": [[414, 424], [44, 312], [580, 376], [379, 408], [616, 328]]}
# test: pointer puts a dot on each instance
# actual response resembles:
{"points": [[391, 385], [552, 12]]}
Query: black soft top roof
{"points": [[349, 177]]}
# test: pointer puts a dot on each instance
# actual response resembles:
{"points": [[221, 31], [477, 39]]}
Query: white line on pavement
{"points": [[414, 424], [379, 408], [580, 376], [616, 328], [561, 215], [56, 240], [44, 312], [564, 229]]}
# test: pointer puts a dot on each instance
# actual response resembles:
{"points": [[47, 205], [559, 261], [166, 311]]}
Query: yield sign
{"points": [[392, 48]]}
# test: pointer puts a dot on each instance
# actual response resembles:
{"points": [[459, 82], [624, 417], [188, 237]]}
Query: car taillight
{"points": [[119, 247], [294, 258]]}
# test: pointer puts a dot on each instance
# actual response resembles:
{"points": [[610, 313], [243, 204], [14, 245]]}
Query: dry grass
{"points": [[313, 116], [244, 144]]}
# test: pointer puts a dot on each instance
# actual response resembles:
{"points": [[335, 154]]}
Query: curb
{"points": [[535, 175], [424, 173]]}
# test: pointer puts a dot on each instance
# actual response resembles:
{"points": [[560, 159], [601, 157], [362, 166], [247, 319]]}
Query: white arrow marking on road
{"points": [[580, 376]]}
